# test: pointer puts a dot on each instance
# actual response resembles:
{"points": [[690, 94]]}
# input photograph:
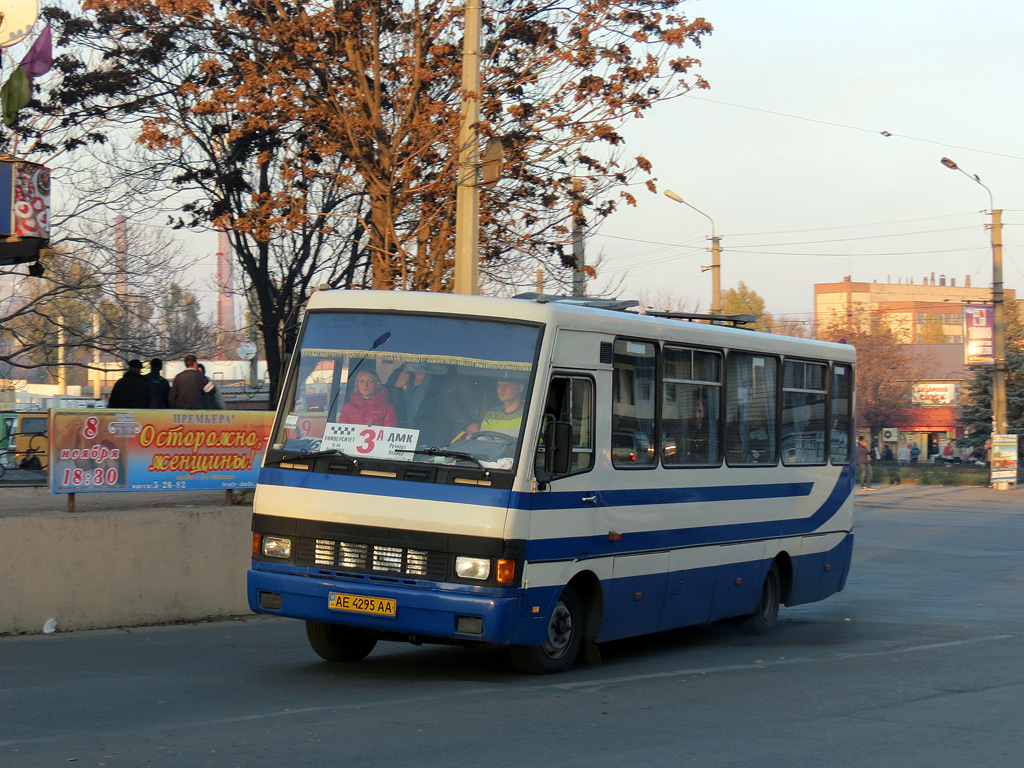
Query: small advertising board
{"points": [[24, 199], [1004, 459], [24, 210], [156, 450], [978, 325]]}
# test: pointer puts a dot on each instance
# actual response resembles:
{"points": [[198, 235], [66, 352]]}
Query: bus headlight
{"points": [[277, 546], [472, 567]]}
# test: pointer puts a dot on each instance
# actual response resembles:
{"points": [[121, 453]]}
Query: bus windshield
{"points": [[408, 387]]}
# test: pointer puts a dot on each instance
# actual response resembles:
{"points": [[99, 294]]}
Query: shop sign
{"points": [[934, 393]]}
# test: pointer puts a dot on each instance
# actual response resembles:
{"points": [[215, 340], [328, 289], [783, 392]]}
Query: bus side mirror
{"points": [[557, 448]]}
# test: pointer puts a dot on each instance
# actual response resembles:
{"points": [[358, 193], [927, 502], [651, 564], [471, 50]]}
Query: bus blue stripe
{"points": [[583, 547], [568, 548], [386, 487], [636, 497]]}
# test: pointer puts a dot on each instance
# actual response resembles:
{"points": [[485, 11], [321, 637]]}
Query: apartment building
{"points": [[928, 316]]}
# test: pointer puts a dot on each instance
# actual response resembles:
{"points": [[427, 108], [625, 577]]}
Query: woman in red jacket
{"points": [[368, 404]]}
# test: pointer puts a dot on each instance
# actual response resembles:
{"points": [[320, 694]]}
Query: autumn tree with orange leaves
{"points": [[886, 367], [323, 135]]}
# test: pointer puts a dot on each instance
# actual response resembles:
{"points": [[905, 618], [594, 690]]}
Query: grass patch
{"points": [[938, 473]]}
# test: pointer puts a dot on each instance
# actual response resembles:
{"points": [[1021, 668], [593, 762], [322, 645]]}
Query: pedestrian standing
{"points": [[214, 397], [864, 465], [189, 389], [891, 465], [131, 390], [159, 387], [915, 453]]}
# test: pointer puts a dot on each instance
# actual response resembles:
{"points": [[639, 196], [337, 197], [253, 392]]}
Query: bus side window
{"points": [[690, 407], [634, 396], [571, 399], [750, 409], [803, 412], [841, 411]]}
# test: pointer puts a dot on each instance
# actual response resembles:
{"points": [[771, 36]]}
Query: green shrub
{"points": [[927, 473]]}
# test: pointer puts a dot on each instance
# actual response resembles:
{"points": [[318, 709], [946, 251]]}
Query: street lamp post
{"points": [[998, 318], [716, 265]]}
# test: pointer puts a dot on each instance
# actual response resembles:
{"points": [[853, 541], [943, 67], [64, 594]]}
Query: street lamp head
{"points": [[673, 196], [950, 164]]}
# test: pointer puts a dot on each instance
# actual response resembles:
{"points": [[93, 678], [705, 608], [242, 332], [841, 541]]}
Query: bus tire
{"points": [[333, 642], [766, 615], [565, 635]]}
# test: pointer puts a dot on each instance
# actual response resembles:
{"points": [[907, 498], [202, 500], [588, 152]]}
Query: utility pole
{"points": [[467, 194], [62, 371], [999, 425], [225, 295], [716, 273], [579, 261], [999, 327]]}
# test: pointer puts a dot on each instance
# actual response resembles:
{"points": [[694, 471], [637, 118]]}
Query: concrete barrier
{"points": [[124, 567]]}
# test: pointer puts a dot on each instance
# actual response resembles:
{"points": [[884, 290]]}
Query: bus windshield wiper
{"points": [[301, 455], [447, 454]]}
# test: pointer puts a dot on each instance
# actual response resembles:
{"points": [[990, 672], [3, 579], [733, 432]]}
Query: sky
{"points": [[785, 153]]}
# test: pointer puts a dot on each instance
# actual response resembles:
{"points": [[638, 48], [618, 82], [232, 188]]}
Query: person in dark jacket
{"points": [[159, 387], [190, 387], [131, 390], [214, 398], [31, 461]]}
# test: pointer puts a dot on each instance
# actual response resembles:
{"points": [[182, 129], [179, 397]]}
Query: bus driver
{"points": [[509, 417]]}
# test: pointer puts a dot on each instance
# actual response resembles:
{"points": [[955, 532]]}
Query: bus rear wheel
{"points": [[564, 637], [766, 615], [333, 642]]}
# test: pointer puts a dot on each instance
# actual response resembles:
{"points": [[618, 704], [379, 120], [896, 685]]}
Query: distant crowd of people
{"points": [[906, 453], [190, 390]]}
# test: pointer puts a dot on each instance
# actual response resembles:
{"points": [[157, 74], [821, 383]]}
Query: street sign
{"points": [[247, 350]]}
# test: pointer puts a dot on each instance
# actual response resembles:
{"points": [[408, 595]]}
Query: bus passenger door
{"points": [[570, 400]]}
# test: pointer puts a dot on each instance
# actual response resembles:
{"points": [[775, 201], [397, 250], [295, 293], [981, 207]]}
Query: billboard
{"points": [[978, 325], [24, 199], [156, 450], [1004, 459]]}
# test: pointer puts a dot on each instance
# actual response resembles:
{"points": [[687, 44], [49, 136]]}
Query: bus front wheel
{"points": [[766, 615], [564, 637], [333, 642]]}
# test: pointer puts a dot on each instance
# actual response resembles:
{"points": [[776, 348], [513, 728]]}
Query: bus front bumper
{"points": [[421, 613]]}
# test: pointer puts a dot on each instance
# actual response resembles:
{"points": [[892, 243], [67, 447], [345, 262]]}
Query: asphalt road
{"points": [[917, 664]]}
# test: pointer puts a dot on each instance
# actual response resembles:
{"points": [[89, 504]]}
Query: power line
{"points": [[731, 235], [851, 239], [853, 226], [649, 242], [886, 134], [744, 248], [818, 254]]}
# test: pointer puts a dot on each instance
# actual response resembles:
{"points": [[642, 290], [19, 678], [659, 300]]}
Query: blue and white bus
{"points": [[543, 473]]}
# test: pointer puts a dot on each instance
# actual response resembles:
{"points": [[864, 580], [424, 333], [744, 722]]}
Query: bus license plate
{"points": [[378, 606]]}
